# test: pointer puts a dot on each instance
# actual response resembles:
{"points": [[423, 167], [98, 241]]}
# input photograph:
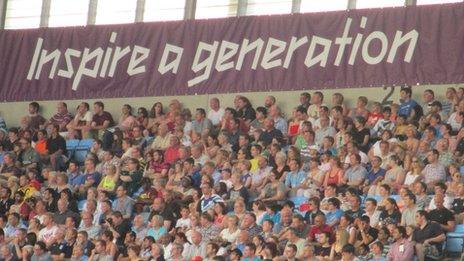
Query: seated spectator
{"points": [[457, 205], [274, 191], [428, 236], [201, 125], [334, 212], [34, 121], [28, 157], [442, 215], [131, 177], [81, 124], [319, 227], [101, 119], [356, 173]]}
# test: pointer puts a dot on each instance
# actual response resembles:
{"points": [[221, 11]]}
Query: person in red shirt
{"points": [[171, 154], [374, 115], [318, 228]]}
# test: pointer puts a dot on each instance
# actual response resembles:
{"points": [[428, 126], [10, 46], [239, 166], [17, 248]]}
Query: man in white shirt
{"points": [[197, 248], [216, 113], [47, 233]]}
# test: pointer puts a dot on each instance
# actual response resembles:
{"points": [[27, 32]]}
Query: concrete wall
{"points": [[12, 111]]}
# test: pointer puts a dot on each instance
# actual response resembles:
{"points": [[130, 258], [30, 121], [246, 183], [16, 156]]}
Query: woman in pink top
{"points": [[127, 121]]}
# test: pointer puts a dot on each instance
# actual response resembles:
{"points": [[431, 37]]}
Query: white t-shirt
{"points": [[364, 158], [181, 222], [216, 116], [87, 116], [46, 234], [230, 237]]}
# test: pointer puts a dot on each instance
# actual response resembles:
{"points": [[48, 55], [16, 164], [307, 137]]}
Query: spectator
{"points": [[442, 215], [428, 236]]}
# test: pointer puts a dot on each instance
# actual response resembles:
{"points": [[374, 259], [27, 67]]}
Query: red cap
{"points": [[196, 258]]}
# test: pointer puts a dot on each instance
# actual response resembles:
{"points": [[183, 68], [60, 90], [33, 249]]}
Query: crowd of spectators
{"points": [[328, 182]]}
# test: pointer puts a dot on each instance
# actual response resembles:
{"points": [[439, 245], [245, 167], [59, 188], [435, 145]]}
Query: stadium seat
{"points": [[298, 201], [82, 149], [396, 197], [80, 204], [71, 146], [455, 240]]}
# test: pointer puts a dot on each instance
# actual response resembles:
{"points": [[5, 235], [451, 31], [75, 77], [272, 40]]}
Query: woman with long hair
{"points": [[341, 239], [391, 214], [156, 115], [335, 173], [231, 231], [395, 176], [456, 180], [142, 117], [415, 172]]}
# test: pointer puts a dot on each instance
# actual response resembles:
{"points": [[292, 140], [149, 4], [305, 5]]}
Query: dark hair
{"points": [[301, 109], [99, 104], [316, 201], [348, 248], [372, 200], [387, 109], [407, 90], [292, 246], [411, 196], [379, 244], [201, 111], [251, 246], [335, 202], [423, 213], [402, 231], [263, 110], [35, 105], [441, 185], [42, 245], [272, 248]]}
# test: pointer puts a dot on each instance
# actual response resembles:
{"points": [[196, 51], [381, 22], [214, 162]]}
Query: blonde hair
{"points": [[343, 239]]}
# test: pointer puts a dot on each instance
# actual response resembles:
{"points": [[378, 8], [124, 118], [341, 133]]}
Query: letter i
{"points": [[106, 58], [357, 42]]}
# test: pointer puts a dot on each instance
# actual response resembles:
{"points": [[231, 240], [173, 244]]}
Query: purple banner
{"points": [[343, 49]]}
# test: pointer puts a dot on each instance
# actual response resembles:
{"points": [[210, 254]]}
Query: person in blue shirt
{"points": [[295, 176], [272, 214], [249, 253], [376, 173], [335, 213], [157, 229], [407, 104]]}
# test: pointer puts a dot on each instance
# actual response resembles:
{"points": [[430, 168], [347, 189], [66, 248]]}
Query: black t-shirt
{"points": [[309, 216], [393, 218], [373, 232], [358, 138], [355, 214], [441, 216], [322, 251], [458, 205], [122, 230], [55, 144], [431, 230], [63, 247], [247, 113]]}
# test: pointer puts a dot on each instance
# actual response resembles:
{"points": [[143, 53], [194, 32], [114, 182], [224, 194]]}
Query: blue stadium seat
{"points": [[396, 197], [71, 146], [377, 198], [298, 201], [82, 149], [455, 240], [80, 204]]}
